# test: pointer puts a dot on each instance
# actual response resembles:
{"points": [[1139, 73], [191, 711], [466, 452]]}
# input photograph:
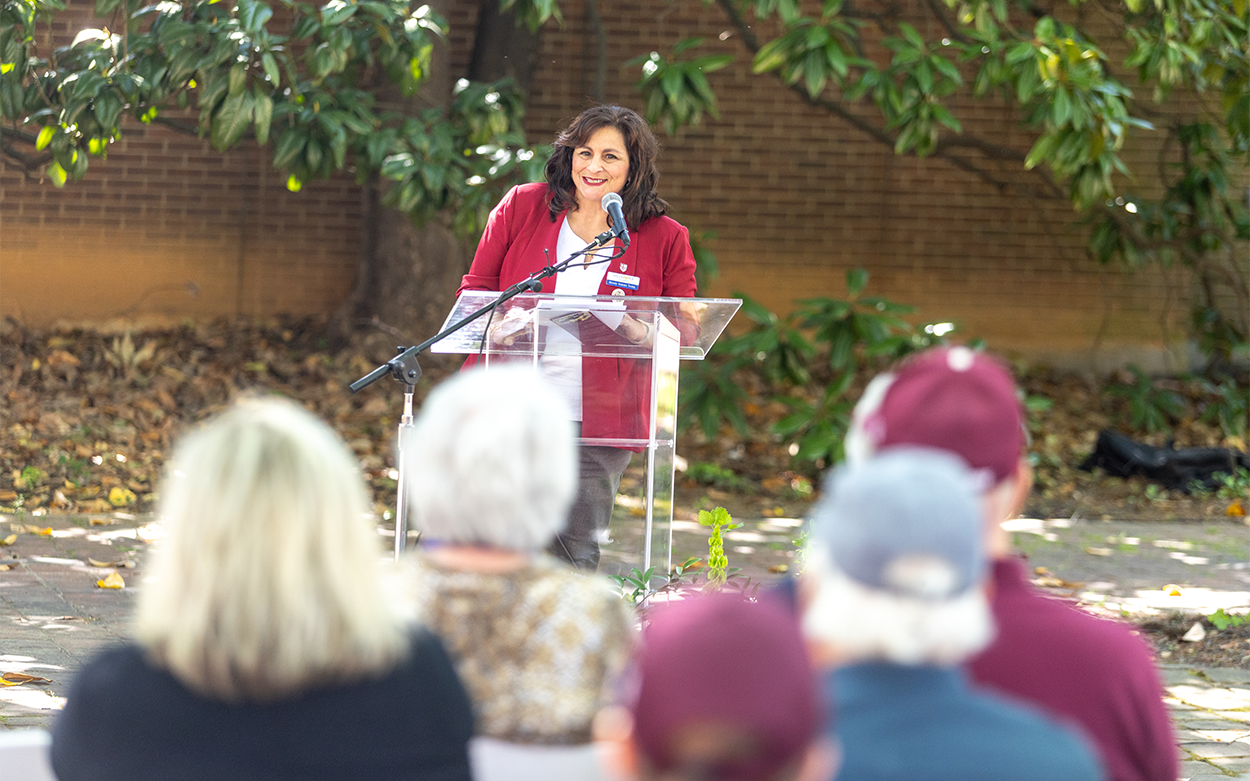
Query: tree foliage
{"points": [[301, 79], [869, 65]]}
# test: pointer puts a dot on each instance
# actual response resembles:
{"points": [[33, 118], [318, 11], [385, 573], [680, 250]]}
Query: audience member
{"points": [[1092, 671], [724, 690], [894, 600], [493, 470], [265, 646]]}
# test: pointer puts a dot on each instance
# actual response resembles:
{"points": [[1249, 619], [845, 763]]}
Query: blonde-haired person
{"points": [[493, 471], [265, 644]]}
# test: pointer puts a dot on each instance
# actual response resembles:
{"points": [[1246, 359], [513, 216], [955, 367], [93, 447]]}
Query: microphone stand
{"points": [[405, 369]]}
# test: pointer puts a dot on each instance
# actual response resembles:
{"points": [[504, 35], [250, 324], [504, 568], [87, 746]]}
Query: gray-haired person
{"points": [[493, 473], [894, 602]]}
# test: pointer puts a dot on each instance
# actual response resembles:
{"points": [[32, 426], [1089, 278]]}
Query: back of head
{"points": [[726, 691], [492, 460], [949, 398], [897, 560], [267, 578]]}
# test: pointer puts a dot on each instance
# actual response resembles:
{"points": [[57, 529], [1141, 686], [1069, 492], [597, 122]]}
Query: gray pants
{"points": [[600, 470]]}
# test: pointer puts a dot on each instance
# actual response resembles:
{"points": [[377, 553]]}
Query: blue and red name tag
{"points": [[622, 280]]}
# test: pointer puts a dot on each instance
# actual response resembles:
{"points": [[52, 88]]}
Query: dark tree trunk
{"points": [[501, 48], [407, 277]]}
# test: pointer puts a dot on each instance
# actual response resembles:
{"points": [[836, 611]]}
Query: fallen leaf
{"points": [[120, 497], [1098, 551], [1196, 633], [58, 357], [1172, 590], [5, 568], [151, 532], [12, 538], [112, 580], [97, 563], [1235, 509], [1040, 571], [17, 679], [777, 569], [29, 528], [102, 521], [1049, 581]]}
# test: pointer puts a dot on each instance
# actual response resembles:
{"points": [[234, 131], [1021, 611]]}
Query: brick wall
{"points": [[794, 197], [797, 197], [168, 228]]}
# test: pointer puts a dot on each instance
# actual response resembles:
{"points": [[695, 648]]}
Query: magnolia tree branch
{"points": [[944, 146], [939, 13], [28, 162]]}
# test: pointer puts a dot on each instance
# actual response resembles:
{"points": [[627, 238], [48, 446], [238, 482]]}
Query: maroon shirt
{"points": [[1090, 671]]}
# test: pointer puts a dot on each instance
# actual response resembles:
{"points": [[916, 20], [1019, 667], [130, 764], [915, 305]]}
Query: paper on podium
{"points": [[596, 324]]}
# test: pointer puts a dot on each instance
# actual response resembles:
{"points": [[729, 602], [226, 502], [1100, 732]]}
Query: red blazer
{"points": [[616, 393]]}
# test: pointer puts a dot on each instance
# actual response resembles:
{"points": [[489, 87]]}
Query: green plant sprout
{"points": [[1232, 486], [800, 553], [717, 562], [636, 585], [1221, 620], [1150, 408]]}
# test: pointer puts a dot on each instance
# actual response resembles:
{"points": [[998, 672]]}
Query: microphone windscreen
{"points": [[609, 199]]}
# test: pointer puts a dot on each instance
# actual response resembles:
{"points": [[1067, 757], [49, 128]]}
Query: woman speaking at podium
{"points": [[607, 149]]}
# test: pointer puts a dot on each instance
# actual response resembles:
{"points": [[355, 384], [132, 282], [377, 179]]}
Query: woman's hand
{"points": [[516, 326], [635, 330]]}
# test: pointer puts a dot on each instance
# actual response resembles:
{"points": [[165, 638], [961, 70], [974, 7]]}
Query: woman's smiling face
{"points": [[600, 166]]}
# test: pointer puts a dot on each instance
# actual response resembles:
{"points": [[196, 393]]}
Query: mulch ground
{"points": [[89, 416], [1228, 647]]}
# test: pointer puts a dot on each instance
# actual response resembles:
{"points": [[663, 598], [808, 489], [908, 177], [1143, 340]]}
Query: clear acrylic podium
{"points": [[627, 348]]}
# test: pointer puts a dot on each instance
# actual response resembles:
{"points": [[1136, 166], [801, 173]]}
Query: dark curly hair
{"points": [[640, 199]]}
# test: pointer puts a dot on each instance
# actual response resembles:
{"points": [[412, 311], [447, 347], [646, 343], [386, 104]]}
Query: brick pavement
{"points": [[53, 616]]}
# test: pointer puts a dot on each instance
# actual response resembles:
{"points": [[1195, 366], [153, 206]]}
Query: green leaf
{"points": [[1062, 110], [107, 108], [238, 79], [290, 146], [231, 121], [253, 15], [856, 281], [814, 72], [771, 56], [270, 64], [263, 113], [87, 84], [57, 174], [45, 138], [336, 12], [312, 155], [1041, 150], [911, 35]]}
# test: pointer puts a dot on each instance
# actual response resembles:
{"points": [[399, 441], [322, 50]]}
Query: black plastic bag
{"points": [[1118, 455]]}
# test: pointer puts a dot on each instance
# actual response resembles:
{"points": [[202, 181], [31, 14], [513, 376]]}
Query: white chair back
{"points": [[498, 760], [24, 755]]}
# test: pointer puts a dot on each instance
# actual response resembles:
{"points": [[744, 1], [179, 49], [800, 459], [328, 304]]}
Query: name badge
{"points": [[622, 280]]}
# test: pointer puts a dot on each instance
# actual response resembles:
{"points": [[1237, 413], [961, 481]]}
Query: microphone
{"points": [[611, 204]]}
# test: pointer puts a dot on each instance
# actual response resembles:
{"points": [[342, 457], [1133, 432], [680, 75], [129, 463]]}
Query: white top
{"points": [[565, 370]]}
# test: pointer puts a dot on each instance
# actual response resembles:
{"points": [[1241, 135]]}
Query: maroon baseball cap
{"points": [[949, 398], [722, 666]]}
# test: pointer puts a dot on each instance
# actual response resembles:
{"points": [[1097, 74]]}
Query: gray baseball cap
{"points": [[906, 521]]}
